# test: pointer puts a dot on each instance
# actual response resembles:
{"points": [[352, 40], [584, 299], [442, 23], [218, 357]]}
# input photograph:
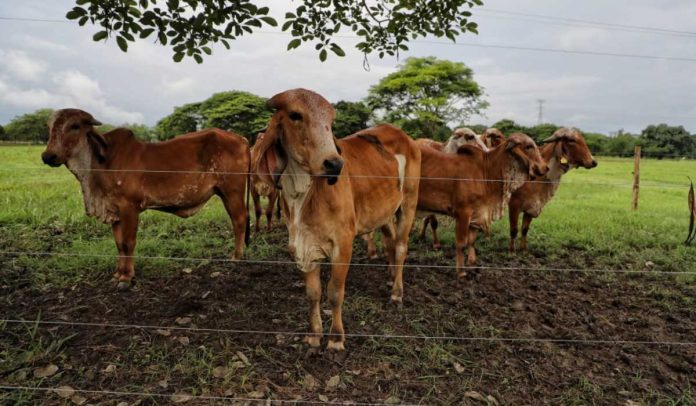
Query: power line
{"points": [[476, 45], [555, 19]]}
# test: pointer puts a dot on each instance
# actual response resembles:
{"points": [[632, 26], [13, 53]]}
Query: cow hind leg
{"points": [[125, 232], [269, 209], [234, 204], [462, 240], [471, 254], [526, 222], [371, 245], [433, 226], [426, 221], [514, 214], [257, 209]]}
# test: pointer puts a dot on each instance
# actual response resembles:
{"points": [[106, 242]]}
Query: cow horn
{"points": [[510, 145], [95, 122]]}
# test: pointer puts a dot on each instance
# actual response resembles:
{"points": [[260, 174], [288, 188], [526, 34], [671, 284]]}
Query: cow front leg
{"points": [[125, 232], [336, 292], [371, 245], [313, 289], [526, 222]]}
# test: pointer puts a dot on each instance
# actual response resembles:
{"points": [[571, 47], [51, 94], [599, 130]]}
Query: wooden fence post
{"points": [[636, 177]]}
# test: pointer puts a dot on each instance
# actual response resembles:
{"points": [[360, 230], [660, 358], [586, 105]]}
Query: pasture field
{"points": [[56, 265]]}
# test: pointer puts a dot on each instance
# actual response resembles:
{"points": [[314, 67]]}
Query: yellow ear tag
{"points": [[564, 160]]}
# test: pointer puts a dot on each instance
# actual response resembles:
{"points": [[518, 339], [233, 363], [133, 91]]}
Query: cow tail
{"points": [[247, 237]]}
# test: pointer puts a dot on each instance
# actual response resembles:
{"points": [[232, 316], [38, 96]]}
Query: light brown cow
{"points": [[259, 189], [335, 190], [564, 150], [492, 137], [474, 186], [121, 176]]}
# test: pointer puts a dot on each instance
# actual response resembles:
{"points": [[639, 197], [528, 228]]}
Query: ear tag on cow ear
{"points": [[564, 160]]}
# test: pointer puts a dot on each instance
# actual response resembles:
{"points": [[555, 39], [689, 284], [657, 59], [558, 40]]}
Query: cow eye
{"points": [[295, 116], [529, 148], [75, 127]]}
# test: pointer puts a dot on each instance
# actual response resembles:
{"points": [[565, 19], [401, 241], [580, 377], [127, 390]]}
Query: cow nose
{"points": [[49, 158], [594, 163], [333, 166]]}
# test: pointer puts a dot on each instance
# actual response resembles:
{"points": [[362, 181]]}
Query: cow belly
{"points": [[370, 218]]}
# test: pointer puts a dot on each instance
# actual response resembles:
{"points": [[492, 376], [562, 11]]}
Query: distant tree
{"points": [[596, 143], [426, 94], [541, 132], [241, 112], [351, 117], [184, 119], [32, 127], [664, 140], [2, 133], [621, 144], [189, 27], [508, 126]]}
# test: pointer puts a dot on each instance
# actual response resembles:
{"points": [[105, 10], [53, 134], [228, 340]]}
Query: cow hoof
{"points": [[335, 346], [373, 256], [312, 341], [462, 274], [123, 286], [437, 247]]}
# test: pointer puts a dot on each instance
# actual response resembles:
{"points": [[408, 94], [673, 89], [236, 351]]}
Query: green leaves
{"points": [[384, 27]]}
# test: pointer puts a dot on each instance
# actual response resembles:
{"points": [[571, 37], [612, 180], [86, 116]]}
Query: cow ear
{"points": [[510, 145], [271, 160], [98, 145]]}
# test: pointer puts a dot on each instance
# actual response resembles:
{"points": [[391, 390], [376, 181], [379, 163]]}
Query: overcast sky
{"points": [[57, 65]]}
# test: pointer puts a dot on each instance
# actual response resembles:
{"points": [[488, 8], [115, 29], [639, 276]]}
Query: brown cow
{"points": [[460, 137], [336, 190], [260, 188], [121, 176], [492, 137], [474, 186], [564, 150]]}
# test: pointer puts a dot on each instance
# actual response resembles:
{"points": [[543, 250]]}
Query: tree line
{"points": [[427, 97]]}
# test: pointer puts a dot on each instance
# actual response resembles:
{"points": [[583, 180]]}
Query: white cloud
{"points": [[20, 66]]}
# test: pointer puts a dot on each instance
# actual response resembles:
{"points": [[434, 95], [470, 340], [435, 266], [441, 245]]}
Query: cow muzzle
{"points": [[50, 159], [332, 168], [539, 170]]}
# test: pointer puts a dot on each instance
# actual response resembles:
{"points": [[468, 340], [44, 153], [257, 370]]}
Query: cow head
{"points": [[523, 148], [299, 130], [71, 130], [571, 149], [463, 136], [492, 137]]}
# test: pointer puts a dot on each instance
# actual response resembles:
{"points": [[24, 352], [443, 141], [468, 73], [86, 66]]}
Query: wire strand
{"points": [[356, 335], [227, 173], [191, 397], [380, 265]]}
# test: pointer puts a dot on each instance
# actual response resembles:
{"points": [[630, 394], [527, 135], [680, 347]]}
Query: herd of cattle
{"points": [[330, 190]]}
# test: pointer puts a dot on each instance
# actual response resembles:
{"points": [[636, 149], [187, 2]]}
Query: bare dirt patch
{"points": [[255, 365]]}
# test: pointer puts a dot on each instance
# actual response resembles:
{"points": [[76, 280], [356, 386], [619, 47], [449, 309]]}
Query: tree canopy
{"points": [[426, 94], [241, 112], [351, 117], [189, 27], [32, 127]]}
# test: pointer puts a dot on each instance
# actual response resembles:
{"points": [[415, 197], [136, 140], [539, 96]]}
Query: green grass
{"points": [[42, 211]]}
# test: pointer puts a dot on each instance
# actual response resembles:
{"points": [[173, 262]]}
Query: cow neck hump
{"points": [[506, 175]]}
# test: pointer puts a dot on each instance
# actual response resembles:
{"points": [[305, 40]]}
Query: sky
{"points": [[57, 65]]}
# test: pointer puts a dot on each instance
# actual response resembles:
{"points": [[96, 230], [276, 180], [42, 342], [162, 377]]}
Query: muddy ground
{"points": [[277, 366]]}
